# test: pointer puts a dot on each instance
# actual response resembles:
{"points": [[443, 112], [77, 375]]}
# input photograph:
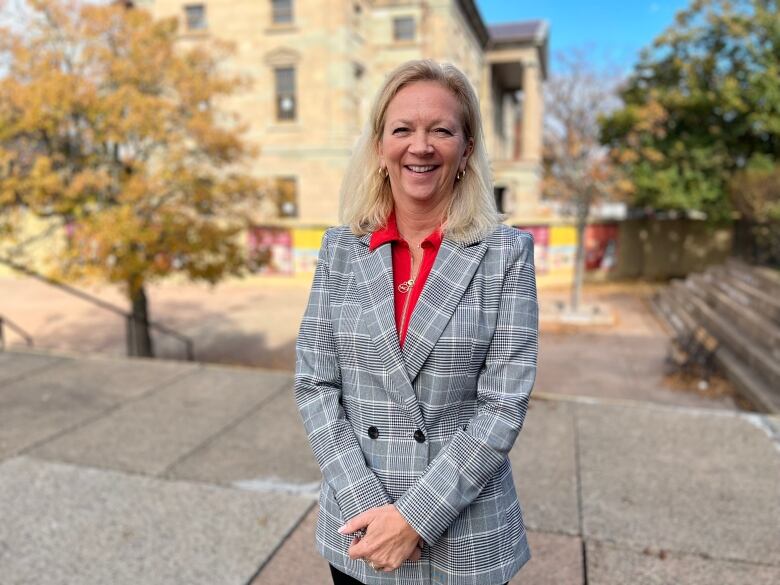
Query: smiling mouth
{"points": [[421, 169]]}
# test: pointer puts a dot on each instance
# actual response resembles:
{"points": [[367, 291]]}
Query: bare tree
{"points": [[577, 169]]}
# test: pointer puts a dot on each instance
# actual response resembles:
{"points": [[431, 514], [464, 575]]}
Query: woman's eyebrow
{"points": [[436, 122]]}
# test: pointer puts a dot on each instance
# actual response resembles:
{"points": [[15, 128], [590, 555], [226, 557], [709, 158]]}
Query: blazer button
{"points": [[419, 436], [373, 432]]}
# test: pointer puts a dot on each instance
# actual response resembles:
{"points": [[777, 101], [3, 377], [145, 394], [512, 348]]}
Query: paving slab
{"points": [[67, 524], [544, 467], [36, 408], [152, 433], [296, 561], [56, 394], [612, 565], [685, 480], [15, 365], [613, 364], [117, 378], [556, 559], [267, 450]]}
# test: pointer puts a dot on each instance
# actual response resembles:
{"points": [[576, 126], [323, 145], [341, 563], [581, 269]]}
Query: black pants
{"points": [[340, 578]]}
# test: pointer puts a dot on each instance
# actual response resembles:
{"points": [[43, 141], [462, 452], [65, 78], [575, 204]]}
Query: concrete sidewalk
{"points": [[138, 471], [254, 322]]}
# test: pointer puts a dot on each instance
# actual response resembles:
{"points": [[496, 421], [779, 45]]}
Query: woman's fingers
{"points": [[357, 549], [359, 522], [389, 539]]}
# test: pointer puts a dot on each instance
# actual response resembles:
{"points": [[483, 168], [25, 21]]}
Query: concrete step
{"points": [[752, 387], [738, 353], [762, 331], [746, 293], [678, 297], [676, 307], [663, 306], [761, 278], [741, 342]]}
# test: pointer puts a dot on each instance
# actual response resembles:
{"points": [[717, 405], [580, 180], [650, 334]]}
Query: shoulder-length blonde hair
{"points": [[366, 198]]}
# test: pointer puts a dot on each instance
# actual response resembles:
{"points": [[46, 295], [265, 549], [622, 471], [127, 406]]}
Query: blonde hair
{"points": [[366, 197]]}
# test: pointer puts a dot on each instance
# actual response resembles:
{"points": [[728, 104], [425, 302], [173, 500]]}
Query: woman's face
{"points": [[423, 145]]}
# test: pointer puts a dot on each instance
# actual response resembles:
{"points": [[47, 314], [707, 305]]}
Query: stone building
{"points": [[315, 67]]}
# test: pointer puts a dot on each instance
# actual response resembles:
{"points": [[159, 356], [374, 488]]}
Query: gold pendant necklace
{"points": [[406, 285]]}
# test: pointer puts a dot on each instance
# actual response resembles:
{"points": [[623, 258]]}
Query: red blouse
{"points": [[405, 295]]}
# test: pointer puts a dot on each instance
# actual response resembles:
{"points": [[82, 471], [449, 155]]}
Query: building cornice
{"points": [[474, 18]]}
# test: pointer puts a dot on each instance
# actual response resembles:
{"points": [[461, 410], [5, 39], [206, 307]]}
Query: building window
{"points": [[282, 11], [499, 193], [195, 16], [287, 196], [403, 28], [285, 93]]}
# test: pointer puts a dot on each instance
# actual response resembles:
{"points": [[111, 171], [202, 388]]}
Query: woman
{"points": [[417, 353]]}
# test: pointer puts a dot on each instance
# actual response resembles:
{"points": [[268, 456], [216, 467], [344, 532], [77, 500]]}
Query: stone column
{"points": [[533, 109], [486, 103], [508, 104]]}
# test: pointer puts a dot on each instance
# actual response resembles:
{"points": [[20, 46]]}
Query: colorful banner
{"points": [[541, 235], [271, 249], [601, 246], [562, 248]]}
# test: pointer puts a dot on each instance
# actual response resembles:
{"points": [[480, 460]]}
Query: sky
{"points": [[614, 30]]}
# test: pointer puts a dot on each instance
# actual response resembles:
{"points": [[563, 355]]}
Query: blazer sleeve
{"points": [[318, 395], [463, 467]]}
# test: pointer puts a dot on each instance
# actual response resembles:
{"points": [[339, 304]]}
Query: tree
{"points": [[577, 169], [112, 133], [755, 194], [701, 104]]}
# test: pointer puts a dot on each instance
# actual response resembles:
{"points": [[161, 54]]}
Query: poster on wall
{"points": [[270, 250], [541, 235], [601, 246], [306, 248], [305, 261]]}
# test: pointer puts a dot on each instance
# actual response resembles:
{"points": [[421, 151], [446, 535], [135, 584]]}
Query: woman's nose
{"points": [[421, 143]]}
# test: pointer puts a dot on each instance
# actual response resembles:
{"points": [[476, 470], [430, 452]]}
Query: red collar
{"points": [[389, 233]]}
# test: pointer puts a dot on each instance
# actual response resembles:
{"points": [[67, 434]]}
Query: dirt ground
{"points": [[253, 323]]}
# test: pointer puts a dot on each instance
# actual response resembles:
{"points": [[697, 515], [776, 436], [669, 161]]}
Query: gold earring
{"points": [[383, 172], [460, 175]]}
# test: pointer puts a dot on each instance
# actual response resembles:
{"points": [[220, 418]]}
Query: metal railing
{"points": [[129, 318], [6, 322]]}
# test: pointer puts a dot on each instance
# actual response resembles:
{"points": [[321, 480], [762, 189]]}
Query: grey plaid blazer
{"points": [[428, 427]]}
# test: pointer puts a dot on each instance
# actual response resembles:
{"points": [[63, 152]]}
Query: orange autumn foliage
{"points": [[109, 128]]}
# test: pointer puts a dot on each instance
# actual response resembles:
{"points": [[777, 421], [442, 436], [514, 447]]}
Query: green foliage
{"points": [[755, 194], [703, 102]]}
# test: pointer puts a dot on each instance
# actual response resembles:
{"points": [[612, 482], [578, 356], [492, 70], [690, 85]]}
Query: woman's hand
{"points": [[389, 539]]}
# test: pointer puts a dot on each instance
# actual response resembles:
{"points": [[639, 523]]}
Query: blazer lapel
{"points": [[451, 274], [374, 279]]}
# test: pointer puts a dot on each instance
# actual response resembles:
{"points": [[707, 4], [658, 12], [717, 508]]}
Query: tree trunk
{"points": [[139, 341], [579, 257]]}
